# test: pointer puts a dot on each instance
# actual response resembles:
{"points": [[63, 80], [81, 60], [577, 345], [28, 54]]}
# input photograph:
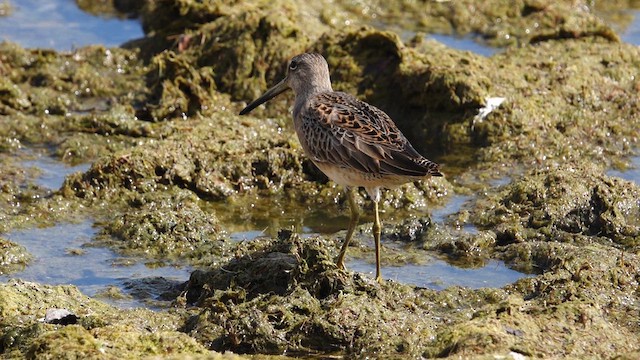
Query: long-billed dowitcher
{"points": [[355, 144]]}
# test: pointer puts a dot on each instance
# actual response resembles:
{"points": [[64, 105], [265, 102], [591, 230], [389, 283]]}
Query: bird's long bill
{"points": [[278, 89]]}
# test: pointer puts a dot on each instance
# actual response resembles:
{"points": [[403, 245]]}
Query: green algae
{"points": [[44, 97], [25, 204], [286, 295], [592, 114], [266, 161], [499, 23], [502, 23], [18, 196], [67, 79], [250, 46]]}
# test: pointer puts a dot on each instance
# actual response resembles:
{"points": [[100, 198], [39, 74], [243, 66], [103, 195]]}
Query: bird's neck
{"points": [[306, 95]]}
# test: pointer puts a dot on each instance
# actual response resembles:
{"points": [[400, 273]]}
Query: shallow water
{"points": [[465, 43], [61, 256], [52, 172], [61, 25], [631, 34], [437, 274], [456, 202]]}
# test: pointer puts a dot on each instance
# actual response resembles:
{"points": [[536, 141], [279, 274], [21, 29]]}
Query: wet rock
{"points": [[112, 8], [154, 289], [237, 49]]}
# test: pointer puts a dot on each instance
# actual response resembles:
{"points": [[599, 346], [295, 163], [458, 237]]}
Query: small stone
{"points": [[60, 317]]}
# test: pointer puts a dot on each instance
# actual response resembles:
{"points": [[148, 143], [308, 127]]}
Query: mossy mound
{"points": [[112, 8], [267, 160], [197, 158], [234, 48], [584, 288], [286, 295], [79, 103], [575, 204], [165, 226], [45, 82], [579, 104], [495, 21]]}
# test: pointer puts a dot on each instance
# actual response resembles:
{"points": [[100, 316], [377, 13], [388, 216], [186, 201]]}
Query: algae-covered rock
{"points": [[197, 158], [266, 160], [580, 102], [56, 84], [13, 257], [165, 227], [112, 8], [20, 199], [568, 204], [234, 48], [288, 296], [498, 22], [46, 99], [584, 288], [102, 330]]}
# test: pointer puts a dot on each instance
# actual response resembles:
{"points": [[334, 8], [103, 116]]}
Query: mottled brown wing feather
{"points": [[351, 133]]}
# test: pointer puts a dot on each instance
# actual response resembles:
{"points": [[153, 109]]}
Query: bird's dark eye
{"points": [[293, 65]]}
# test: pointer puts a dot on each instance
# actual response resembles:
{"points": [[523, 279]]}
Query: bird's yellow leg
{"points": [[376, 238], [353, 221]]}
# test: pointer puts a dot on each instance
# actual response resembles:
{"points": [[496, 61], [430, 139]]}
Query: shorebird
{"points": [[355, 144]]}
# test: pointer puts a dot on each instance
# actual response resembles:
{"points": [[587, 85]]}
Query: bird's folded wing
{"points": [[353, 134]]}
